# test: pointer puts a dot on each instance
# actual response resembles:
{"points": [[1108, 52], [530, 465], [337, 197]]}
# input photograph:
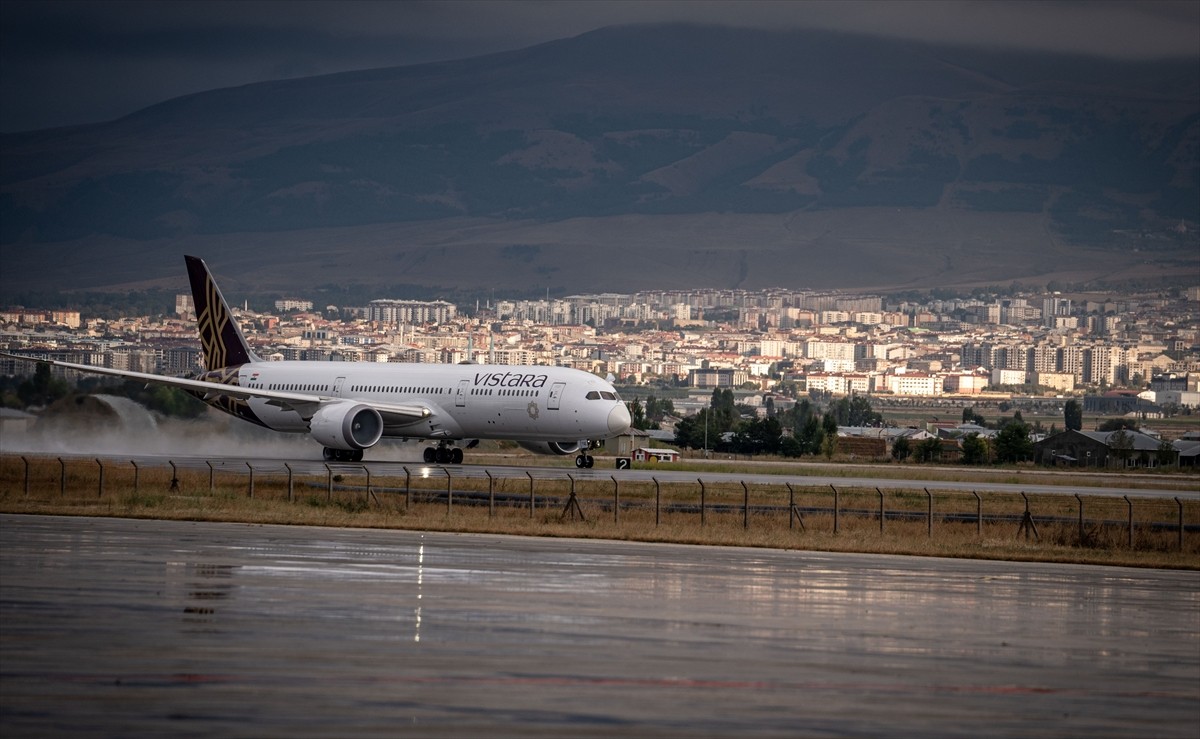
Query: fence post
{"points": [[530, 493], [135, 476], [1027, 524], [793, 511], [174, 477], [835, 508], [929, 515], [328, 484], [978, 514], [251, 479], [702, 517], [1078, 498], [449, 492], [211, 478], [1179, 503], [657, 499], [26, 461], [291, 497], [745, 506], [616, 499], [491, 494], [572, 503], [880, 509], [62, 477], [1129, 503], [100, 485], [407, 487], [368, 494]]}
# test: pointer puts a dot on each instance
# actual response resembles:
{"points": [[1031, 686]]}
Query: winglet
{"points": [[220, 337]]}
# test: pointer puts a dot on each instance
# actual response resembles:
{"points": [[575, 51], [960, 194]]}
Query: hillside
{"points": [[644, 156]]}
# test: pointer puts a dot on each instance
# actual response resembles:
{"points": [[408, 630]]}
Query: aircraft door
{"points": [[337, 387], [460, 397], [556, 391]]}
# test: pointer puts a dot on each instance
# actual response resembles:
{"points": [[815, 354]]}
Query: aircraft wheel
{"points": [[456, 456], [429, 455], [581, 461], [590, 461], [329, 454], [356, 455]]}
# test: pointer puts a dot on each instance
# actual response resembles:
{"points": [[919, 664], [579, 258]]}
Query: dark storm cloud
{"points": [[71, 62]]}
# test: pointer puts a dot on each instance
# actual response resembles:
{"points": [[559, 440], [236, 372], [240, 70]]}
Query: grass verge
{"points": [[1112, 531]]}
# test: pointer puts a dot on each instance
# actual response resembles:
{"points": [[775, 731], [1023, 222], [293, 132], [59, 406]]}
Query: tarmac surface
{"points": [[120, 627]]}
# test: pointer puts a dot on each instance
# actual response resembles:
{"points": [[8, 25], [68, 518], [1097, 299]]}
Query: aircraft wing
{"points": [[304, 404]]}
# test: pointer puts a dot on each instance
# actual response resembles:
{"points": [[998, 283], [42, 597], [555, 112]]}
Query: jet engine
{"points": [[552, 447], [346, 426]]}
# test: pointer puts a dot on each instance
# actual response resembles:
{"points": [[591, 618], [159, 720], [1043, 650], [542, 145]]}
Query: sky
{"points": [[66, 62]]}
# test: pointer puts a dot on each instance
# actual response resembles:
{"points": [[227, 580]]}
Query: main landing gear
{"points": [[443, 453], [343, 455]]}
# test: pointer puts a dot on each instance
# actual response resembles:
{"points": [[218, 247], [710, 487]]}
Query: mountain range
{"points": [[638, 157]]}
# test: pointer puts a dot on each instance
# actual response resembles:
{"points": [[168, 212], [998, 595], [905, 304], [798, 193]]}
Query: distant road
{"points": [[604, 471]]}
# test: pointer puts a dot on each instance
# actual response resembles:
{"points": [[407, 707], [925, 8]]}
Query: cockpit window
{"points": [[601, 395], [593, 395], [607, 395]]}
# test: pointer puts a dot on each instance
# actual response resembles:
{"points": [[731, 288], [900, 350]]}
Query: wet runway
{"points": [[121, 627]]}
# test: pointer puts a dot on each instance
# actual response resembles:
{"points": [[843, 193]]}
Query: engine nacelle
{"points": [[346, 426], [552, 447]]}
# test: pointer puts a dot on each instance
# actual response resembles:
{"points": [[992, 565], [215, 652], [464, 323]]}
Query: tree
{"points": [[862, 414], [43, 389], [689, 432], [724, 413], [901, 449], [656, 409], [928, 450], [970, 416], [1167, 454], [1117, 424], [1121, 443], [765, 435], [829, 427], [810, 436], [974, 449], [637, 415], [1012, 443], [1073, 415], [789, 446]]}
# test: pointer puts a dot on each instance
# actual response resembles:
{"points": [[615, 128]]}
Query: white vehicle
{"points": [[348, 407]]}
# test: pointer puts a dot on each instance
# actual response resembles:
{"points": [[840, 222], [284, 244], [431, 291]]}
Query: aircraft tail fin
{"points": [[220, 337]]}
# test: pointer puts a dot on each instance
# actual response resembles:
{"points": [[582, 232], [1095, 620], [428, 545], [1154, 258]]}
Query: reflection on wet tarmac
{"points": [[215, 629]]}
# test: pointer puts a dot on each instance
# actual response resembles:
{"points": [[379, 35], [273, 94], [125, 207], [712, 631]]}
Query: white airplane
{"points": [[348, 407]]}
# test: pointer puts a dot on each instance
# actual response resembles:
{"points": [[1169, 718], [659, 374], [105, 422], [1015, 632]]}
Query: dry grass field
{"points": [[1163, 533]]}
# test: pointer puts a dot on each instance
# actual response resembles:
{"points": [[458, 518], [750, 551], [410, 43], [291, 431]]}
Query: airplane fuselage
{"points": [[464, 401]]}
